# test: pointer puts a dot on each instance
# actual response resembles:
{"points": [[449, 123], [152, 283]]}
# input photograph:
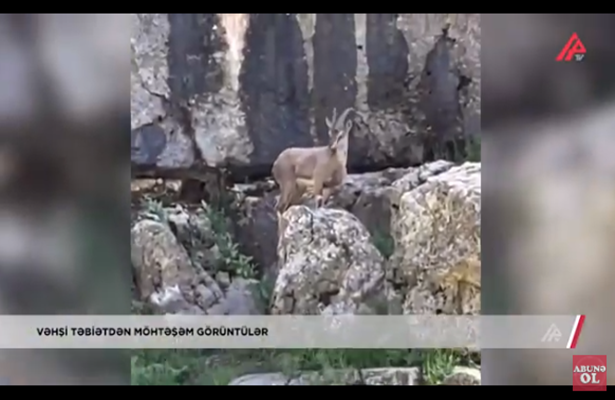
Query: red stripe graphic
{"points": [[576, 331]]}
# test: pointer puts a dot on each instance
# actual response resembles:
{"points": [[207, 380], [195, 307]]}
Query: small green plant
{"points": [[262, 292], [219, 367], [141, 308], [437, 364], [231, 260], [166, 367], [154, 210], [384, 243], [156, 374], [473, 149]]}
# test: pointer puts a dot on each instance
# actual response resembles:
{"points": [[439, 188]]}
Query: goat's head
{"points": [[339, 129]]}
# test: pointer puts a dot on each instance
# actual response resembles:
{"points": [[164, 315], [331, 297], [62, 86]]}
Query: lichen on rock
{"points": [[437, 231], [175, 259], [328, 264]]}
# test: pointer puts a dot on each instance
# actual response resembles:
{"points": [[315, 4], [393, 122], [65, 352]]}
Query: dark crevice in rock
{"points": [[193, 68], [439, 86], [275, 96], [147, 142], [324, 298], [387, 57], [335, 66], [274, 87]]}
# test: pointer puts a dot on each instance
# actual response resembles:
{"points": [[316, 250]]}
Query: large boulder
{"points": [[328, 265], [177, 267], [409, 376], [370, 197], [235, 90], [436, 229], [463, 376], [163, 271]]}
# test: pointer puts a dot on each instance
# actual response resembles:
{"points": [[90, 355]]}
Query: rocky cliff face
{"points": [[233, 90], [400, 241]]}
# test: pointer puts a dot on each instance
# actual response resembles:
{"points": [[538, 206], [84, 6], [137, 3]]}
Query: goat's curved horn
{"points": [[340, 121]]}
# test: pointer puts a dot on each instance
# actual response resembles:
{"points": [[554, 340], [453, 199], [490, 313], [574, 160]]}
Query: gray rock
{"points": [[390, 376], [267, 379], [465, 376], [194, 232], [369, 376], [165, 275], [417, 176], [206, 297], [240, 298], [161, 264], [369, 196], [437, 243], [223, 279], [328, 264], [372, 195], [198, 82]]}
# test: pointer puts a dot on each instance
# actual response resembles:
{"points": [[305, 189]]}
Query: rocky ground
{"points": [[399, 241], [300, 367]]}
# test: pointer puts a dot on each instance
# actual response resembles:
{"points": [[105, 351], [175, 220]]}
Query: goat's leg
{"points": [[297, 195], [287, 194], [326, 193], [317, 190], [290, 194], [282, 223], [282, 205]]}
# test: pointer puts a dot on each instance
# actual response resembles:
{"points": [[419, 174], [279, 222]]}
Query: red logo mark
{"points": [[574, 47], [589, 373]]}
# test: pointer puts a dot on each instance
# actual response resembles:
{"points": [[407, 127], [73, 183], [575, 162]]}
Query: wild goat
{"points": [[318, 169]]}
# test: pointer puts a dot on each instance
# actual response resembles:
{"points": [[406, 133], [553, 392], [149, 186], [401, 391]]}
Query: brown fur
{"points": [[317, 169]]}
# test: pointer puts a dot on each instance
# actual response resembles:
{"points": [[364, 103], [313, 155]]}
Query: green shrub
{"points": [[384, 242], [473, 149], [231, 260]]}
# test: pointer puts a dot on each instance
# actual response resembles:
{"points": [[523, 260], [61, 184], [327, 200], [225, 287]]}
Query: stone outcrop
{"points": [[234, 90], [328, 265], [370, 197], [216, 97], [437, 244], [368, 376], [327, 261], [463, 376], [388, 376], [163, 269], [332, 259], [175, 261]]}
